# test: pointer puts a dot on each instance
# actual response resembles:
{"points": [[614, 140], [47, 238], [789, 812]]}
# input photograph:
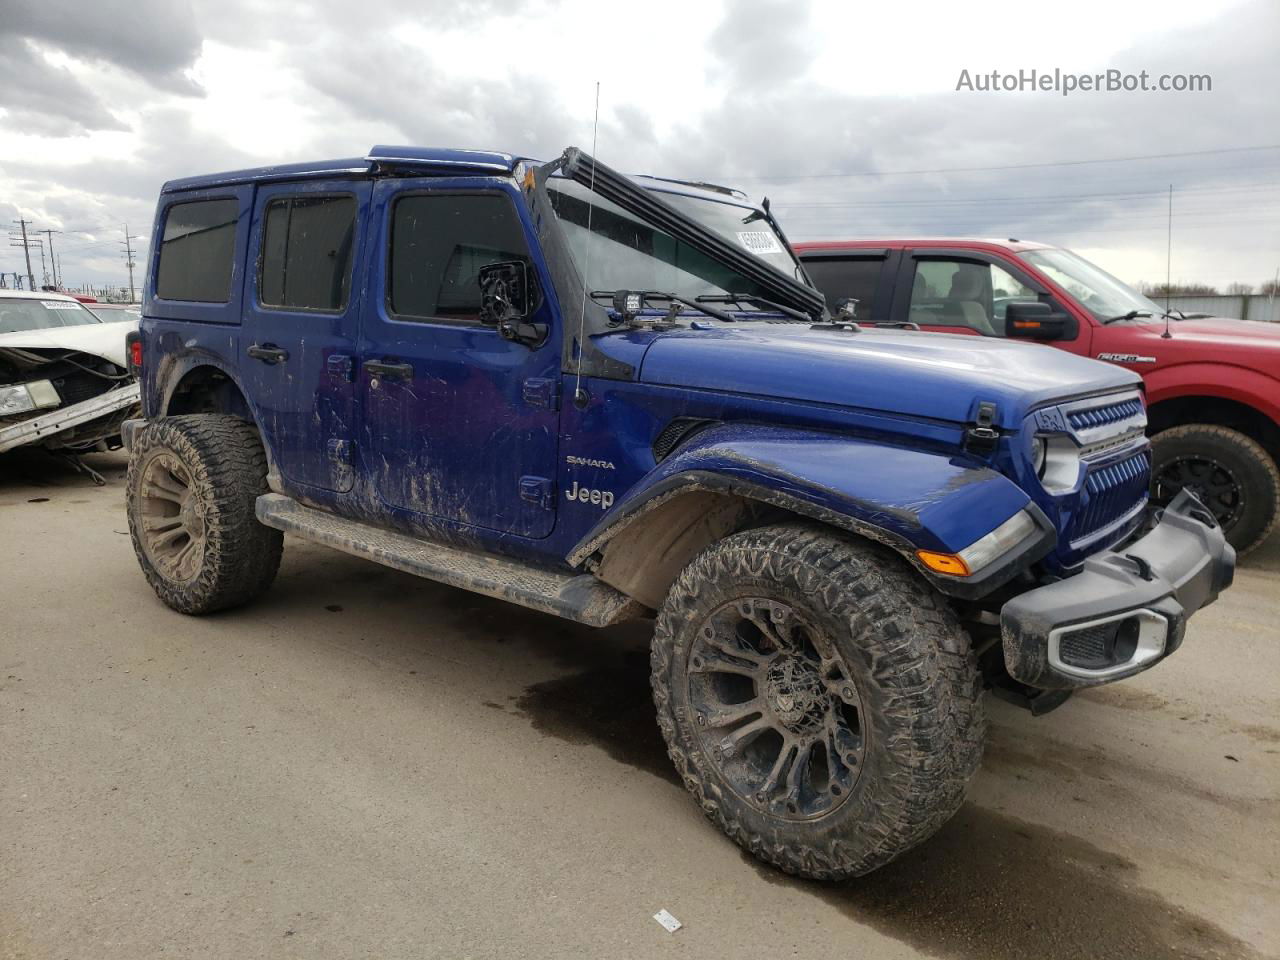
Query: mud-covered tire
{"points": [[917, 682], [1220, 452], [220, 462]]}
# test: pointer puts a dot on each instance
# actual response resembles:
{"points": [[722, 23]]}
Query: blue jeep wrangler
{"points": [[610, 397]]}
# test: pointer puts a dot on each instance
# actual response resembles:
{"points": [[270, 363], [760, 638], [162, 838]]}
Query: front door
{"points": [[301, 323], [460, 424], [955, 292]]}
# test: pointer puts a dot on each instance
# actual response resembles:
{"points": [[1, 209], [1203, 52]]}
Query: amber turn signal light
{"points": [[948, 563]]}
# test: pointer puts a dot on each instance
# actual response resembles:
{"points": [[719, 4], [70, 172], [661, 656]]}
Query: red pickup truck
{"points": [[1213, 385]]}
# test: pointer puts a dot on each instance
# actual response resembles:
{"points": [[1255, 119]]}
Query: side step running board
{"points": [[578, 596]]}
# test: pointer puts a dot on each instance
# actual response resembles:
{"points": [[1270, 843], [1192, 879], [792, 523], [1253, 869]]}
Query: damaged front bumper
{"points": [[1125, 610], [49, 425]]}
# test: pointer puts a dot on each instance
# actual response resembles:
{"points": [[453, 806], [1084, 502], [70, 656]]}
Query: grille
{"points": [[1100, 416], [78, 387], [1110, 492], [1087, 647]]}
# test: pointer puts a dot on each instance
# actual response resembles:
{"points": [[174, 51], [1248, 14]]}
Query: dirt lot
{"points": [[368, 765]]}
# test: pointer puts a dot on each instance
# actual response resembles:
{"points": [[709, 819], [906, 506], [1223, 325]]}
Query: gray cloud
{"points": [[769, 127], [155, 39], [46, 99], [763, 43], [769, 141]]}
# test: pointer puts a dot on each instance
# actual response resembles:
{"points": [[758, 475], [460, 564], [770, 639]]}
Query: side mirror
{"points": [[504, 291], [1033, 320], [505, 301]]}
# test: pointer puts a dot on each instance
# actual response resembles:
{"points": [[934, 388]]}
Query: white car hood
{"points": [[104, 340]]}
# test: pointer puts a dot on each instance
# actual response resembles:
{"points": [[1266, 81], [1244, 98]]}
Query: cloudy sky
{"points": [[846, 115]]}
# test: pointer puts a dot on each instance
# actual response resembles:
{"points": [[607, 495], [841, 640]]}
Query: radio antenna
{"points": [[1168, 268], [579, 396]]}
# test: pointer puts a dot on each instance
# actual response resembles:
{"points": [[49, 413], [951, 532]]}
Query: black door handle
{"points": [[389, 371], [268, 353]]}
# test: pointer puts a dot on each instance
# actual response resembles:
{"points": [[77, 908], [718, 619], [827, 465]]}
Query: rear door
{"points": [[862, 275], [459, 424], [298, 341]]}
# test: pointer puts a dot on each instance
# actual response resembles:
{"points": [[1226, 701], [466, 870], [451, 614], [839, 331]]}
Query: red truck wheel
{"points": [[1230, 473]]}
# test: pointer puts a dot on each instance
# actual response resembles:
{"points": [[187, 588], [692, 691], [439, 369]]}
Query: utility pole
{"points": [[128, 259], [31, 279], [57, 280]]}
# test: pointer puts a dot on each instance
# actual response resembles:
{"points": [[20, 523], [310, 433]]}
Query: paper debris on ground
{"points": [[668, 921]]}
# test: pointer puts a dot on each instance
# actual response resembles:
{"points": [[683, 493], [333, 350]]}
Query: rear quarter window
{"points": [[197, 251], [841, 278], [306, 252]]}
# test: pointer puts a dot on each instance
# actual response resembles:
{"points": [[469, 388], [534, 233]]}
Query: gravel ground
{"points": [[363, 764]]}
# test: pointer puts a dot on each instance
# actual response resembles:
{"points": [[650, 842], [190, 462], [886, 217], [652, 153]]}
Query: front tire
{"points": [[1230, 473], [818, 699], [192, 485]]}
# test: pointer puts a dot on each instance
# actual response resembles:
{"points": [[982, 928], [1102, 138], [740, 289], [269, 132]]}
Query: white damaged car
{"points": [[64, 382]]}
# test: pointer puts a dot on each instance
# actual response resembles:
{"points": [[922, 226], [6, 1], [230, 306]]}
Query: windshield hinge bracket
{"points": [[982, 437]]}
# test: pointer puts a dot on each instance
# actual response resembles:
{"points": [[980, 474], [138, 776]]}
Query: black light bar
{"points": [[633, 198]]}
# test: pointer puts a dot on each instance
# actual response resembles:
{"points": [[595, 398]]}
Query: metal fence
{"points": [[1252, 306]]}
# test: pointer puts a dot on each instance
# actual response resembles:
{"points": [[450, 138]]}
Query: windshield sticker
{"points": [[760, 242], [59, 305]]}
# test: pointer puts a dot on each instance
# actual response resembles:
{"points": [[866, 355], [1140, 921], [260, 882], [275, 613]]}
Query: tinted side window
{"points": [[306, 252], [438, 245], [844, 277], [197, 250], [958, 293]]}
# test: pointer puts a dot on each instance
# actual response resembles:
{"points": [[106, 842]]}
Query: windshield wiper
{"points": [[1131, 315], [749, 298], [620, 296]]}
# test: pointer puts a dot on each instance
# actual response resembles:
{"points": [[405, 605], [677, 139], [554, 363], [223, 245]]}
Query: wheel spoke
{"points": [[169, 481], [156, 492], [716, 662], [160, 524], [732, 743], [729, 714], [730, 647], [167, 537], [774, 778], [772, 621]]}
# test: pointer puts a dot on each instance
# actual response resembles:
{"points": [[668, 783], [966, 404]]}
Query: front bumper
{"points": [[1125, 610], [42, 428]]}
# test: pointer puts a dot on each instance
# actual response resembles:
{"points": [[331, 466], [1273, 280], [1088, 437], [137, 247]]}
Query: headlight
{"points": [[999, 541], [15, 399], [21, 397], [981, 552]]}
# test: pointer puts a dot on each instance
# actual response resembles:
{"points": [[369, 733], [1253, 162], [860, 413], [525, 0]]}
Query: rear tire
{"points": [[192, 485], [1231, 473], [818, 699]]}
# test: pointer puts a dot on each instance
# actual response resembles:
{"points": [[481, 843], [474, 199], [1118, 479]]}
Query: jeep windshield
{"points": [[621, 251], [22, 313], [1104, 296]]}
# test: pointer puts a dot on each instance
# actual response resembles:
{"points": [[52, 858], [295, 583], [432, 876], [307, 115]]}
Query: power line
{"points": [[57, 280], [26, 249], [128, 259], [1012, 166], [1025, 198]]}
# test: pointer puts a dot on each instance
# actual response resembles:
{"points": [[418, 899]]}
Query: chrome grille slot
{"points": [[1110, 493], [1101, 416]]}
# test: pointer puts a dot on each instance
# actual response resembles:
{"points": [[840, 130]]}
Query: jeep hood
{"points": [[931, 376], [104, 340]]}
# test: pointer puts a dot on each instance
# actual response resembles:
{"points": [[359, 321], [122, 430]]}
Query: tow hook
{"points": [[982, 437]]}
